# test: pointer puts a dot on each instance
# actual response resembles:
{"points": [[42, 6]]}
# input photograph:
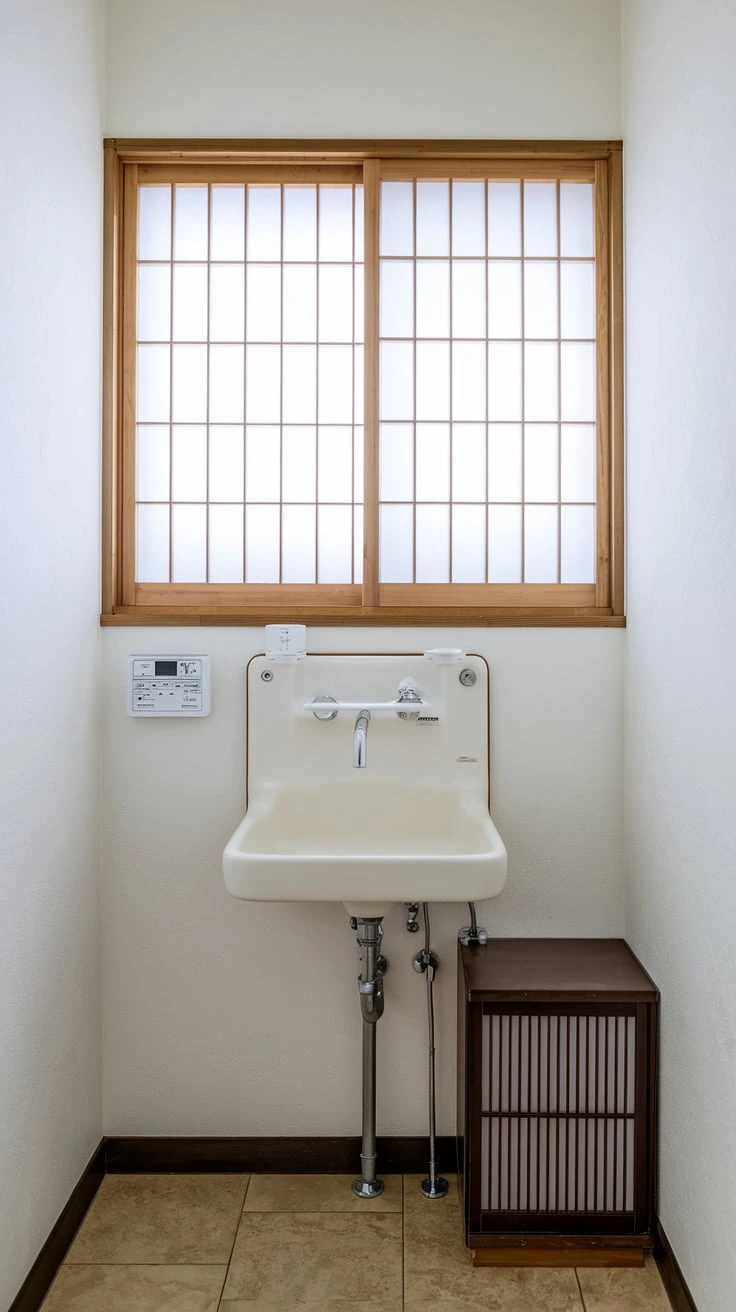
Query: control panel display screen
{"points": [[166, 669]]}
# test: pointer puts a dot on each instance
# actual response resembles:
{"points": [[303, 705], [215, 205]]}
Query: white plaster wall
{"points": [[681, 640], [343, 68], [230, 1018], [226, 1017], [50, 225]]}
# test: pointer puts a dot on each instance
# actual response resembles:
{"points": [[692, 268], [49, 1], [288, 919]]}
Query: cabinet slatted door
{"points": [[556, 1101]]}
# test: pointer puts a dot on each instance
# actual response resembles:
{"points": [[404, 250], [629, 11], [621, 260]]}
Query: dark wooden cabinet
{"points": [[556, 1101]]}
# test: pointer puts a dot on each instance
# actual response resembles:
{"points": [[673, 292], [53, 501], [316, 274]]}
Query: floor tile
{"points": [[618, 1290], [318, 1193], [161, 1218], [135, 1289], [439, 1272], [330, 1261]]}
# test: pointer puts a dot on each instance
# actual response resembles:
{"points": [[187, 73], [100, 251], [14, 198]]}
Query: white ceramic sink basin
{"points": [[413, 826], [366, 844]]}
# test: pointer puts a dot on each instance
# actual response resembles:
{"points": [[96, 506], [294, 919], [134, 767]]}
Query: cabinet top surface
{"points": [[564, 969]]}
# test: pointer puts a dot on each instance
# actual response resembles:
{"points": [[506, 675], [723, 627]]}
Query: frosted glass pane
{"points": [[226, 384], [263, 225], [335, 544], [468, 218], [504, 544], [504, 218], [504, 380], [540, 544], [298, 544], [433, 299], [189, 384], [154, 304], [396, 539], [299, 463], [227, 303], [226, 544], [189, 462], [397, 380], [262, 538], [397, 218], [358, 397], [227, 223], [190, 223], [152, 463], [335, 465], [540, 300], [578, 544], [359, 220], [468, 380], [335, 394], [469, 544], [541, 381], [300, 303], [262, 463], [540, 218], [397, 299], [504, 462], [152, 544], [433, 544], [336, 223], [300, 223], [226, 463], [359, 304], [578, 300], [469, 300], [433, 462], [578, 383], [190, 303], [358, 458], [576, 219], [433, 380], [263, 303], [152, 378], [540, 462], [433, 218], [263, 384], [396, 462], [578, 462], [154, 224], [468, 462], [504, 300], [300, 384], [358, 544], [335, 303], [188, 544]]}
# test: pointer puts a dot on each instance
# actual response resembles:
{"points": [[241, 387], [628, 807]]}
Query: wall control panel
{"points": [[168, 685]]}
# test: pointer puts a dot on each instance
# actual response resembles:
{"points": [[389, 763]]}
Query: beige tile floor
{"points": [[277, 1243]]}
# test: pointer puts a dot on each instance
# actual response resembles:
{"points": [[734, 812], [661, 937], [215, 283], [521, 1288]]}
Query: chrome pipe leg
{"points": [[370, 990], [426, 962]]}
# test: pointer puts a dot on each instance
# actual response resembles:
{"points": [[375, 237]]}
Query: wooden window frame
{"points": [[549, 605]]}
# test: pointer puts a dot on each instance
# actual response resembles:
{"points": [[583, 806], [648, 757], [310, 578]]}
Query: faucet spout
{"points": [[360, 740]]}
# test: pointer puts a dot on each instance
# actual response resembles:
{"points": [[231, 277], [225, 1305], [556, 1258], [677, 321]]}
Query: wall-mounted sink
{"points": [[413, 826]]}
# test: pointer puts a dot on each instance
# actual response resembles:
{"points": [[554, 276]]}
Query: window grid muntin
{"points": [[450, 259], [353, 343]]}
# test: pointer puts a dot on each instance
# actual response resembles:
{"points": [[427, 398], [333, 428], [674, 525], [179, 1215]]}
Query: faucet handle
{"points": [[409, 694]]}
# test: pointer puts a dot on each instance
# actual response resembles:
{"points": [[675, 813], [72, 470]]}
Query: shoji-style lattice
{"points": [[487, 399], [249, 383]]}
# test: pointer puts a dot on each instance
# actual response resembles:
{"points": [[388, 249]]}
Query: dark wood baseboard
{"points": [[302, 1156], [672, 1277], [558, 1257], [32, 1292]]}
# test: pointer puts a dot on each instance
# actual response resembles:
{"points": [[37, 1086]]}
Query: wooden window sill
{"points": [[350, 616]]}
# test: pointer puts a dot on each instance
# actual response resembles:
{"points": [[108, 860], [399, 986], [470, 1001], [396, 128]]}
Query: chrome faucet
{"points": [[360, 740]]}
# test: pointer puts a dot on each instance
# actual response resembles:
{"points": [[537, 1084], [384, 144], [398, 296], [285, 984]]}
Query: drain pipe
{"points": [[426, 962], [370, 991]]}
